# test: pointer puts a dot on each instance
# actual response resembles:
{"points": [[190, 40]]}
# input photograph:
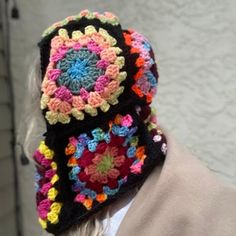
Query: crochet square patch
{"points": [[101, 160]]}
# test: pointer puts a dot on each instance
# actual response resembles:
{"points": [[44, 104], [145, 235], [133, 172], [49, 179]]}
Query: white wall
{"points": [[195, 45], [7, 204]]}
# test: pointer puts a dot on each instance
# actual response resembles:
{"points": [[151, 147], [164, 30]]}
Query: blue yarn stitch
{"points": [[151, 78], [83, 139], [146, 45], [37, 176], [107, 137], [98, 134], [89, 192], [78, 186], [110, 191], [92, 145], [131, 151], [36, 187], [75, 170], [120, 131], [72, 176], [79, 150]]}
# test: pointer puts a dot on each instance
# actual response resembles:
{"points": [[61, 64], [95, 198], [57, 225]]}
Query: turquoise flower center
{"points": [[79, 70]]}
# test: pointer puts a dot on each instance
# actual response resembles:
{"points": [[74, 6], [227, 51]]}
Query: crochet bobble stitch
{"points": [[45, 179], [84, 74]]}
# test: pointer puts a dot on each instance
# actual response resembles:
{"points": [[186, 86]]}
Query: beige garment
{"points": [[181, 198]]}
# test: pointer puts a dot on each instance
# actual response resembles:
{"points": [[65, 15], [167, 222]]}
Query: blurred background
{"points": [[195, 44]]}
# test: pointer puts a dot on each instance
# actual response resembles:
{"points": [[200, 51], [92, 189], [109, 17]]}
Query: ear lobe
{"points": [[144, 84]]}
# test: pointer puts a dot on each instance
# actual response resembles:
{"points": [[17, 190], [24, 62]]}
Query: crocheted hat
{"points": [[102, 139]]}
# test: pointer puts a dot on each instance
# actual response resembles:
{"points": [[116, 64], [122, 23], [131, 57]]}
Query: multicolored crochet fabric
{"points": [[83, 75], [102, 137]]}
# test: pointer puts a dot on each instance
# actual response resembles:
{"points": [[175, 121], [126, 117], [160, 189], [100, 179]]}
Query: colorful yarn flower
{"points": [[104, 165], [101, 161], [83, 75]]}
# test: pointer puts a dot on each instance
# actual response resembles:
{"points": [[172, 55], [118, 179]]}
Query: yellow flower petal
{"points": [[52, 193], [56, 207], [52, 217], [54, 179]]}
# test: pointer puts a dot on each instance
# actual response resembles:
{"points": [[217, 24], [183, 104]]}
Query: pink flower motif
{"points": [[49, 87], [64, 94], [79, 198], [45, 188], [53, 74], [103, 64], [43, 208], [127, 120]]}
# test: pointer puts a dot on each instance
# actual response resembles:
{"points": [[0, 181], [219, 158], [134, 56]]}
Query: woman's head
{"points": [[101, 139]]}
